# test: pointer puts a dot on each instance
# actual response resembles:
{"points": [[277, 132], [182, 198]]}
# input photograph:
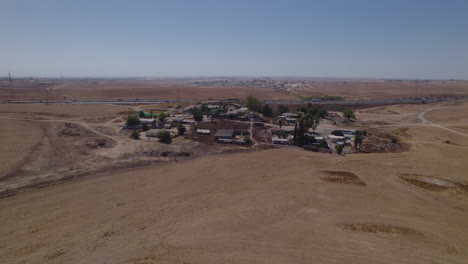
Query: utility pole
{"points": [[12, 88], [47, 95]]}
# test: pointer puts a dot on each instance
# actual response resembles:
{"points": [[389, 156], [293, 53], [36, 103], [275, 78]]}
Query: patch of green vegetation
{"points": [[322, 98]]}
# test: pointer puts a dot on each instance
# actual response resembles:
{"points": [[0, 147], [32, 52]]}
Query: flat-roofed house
{"points": [[224, 133], [203, 131]]}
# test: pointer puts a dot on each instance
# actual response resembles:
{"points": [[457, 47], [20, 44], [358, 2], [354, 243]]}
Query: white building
{"points": [[335, 139], [203, 131], [282, 141]]}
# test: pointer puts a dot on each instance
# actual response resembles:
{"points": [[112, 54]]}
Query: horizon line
{"points": [[225, 77]]}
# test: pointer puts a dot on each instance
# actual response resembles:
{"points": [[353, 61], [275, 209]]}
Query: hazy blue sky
{"points": [[348, 38]]}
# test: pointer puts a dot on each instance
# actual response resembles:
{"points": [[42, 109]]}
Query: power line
{"points": [[12, 88]]}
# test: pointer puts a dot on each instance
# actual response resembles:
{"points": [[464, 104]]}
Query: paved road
{"points": [[354, 102]]}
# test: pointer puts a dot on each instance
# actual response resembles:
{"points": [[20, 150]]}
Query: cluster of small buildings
{"points": [[282, 136], [225, 136], [345, 140], [288, 118], [170, 123], [285, 137]]}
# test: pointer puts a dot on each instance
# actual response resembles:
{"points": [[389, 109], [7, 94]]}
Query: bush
{"points": [[360, 133], [135, 135], [248, 140], [132, 120], [310, 140], [164, 136], [232, 116], [323, 144], [339, 149], [337, 133], [141, 114], [348, 114], [145, 127], [394, 140]]}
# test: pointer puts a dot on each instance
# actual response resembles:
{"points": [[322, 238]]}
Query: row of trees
{"points": [[255, 105], [133, 120], [309, 117]]}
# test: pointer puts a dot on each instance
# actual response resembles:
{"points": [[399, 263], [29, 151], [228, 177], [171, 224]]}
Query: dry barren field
{"points": [[282, 205], [184, 89]]}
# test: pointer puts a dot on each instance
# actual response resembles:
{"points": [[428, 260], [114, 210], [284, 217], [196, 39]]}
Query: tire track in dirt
{"points": [[83, 124]]}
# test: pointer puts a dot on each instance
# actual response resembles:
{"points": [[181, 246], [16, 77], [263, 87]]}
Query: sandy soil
{"points": [[18, 140], [46, 144], [275, 206], [264, 207], [446, 116], [60, 111]]}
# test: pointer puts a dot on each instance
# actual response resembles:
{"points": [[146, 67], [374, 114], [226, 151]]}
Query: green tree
{"points": [[361, 132], [132, 120], [164, 136], [339, 149], [135, 135], [253, 104], [267, 110], [181, 129], [311, 116], [348, 114], [162, 116], [337, 133], [282, 109], [322, 113], [357, 140], [141, 114], [280, 123], [299, 132], [198, 115], [294, 139], [204, 108], [217, 113], [145, 127]]}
